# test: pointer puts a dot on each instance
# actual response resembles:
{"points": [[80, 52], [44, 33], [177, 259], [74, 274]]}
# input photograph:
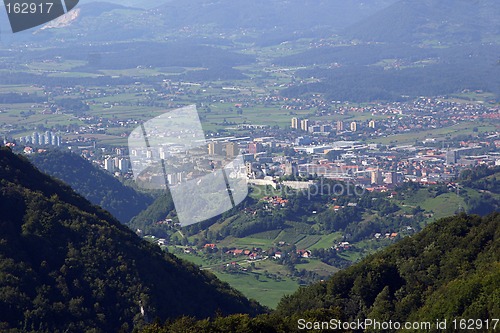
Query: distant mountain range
{"points": [[125, 20], [403, 21], [268, 15], [69, 266], [436, 47], [145, 4], [433, 22]]}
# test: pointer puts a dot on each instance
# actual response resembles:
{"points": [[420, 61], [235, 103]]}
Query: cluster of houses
{"points": [[257, 253], [342, 246], [387, 235], [276, 201], [254, 254]]}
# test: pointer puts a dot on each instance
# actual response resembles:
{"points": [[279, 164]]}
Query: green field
{"points": [[327, 241], [465, 128], [258, 192], [443, 205], [266, 291], [271, 234], [308, 241], [247, 242], [317, 266], [290, 236]]}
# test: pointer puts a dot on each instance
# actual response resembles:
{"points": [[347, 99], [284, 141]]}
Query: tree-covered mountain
{"points": [[359, 83], [159, 210], [93, 183], [69, 266], [411, 48], [432, 21], [133, 19], [450, 270], [486, 181], [261, 15]]}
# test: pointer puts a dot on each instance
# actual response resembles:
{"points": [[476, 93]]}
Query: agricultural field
{"points": [[266, 283], [317, 266], [443, 205], [265, 290], [465, 128]]}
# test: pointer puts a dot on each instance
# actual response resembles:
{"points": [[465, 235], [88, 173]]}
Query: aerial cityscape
{"points": [[271, 166]]}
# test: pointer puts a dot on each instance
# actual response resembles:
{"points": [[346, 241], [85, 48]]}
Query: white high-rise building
{"points": [[35, 138], [172, 179], [123, 165], [109, 164], [354, 126], [304, 124], [48, 138]]}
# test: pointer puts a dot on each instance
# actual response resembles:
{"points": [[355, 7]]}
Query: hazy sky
{"points": [[132, 3]]}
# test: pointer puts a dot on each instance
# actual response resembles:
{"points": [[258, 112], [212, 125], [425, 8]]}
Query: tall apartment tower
{"points": [[214, 148], [340, 126], [451, 157], [109, 164], [124, 165], [254, 147], [376, 177], [304, 124], [354, 126], [295, 123], [232, 149]]}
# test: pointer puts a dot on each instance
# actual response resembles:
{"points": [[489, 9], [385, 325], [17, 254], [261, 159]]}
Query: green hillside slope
{"points": [[450, 270], [418, 274], [96, 185]]}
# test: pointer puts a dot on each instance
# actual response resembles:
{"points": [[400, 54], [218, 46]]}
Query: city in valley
{"points": [[372, 166], [346, 143], [249, 166]]}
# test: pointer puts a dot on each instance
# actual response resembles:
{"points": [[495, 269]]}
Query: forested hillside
{"points": [[69, 266], [443, 21], [96, 185], [419, 277], [449, 270]]}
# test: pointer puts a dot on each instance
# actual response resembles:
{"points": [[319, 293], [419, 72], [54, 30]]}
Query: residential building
{"points": [[340, 126], [215, 148], [254, 148], [304, 124], [354, 126], [232, 149], [109, 164]]}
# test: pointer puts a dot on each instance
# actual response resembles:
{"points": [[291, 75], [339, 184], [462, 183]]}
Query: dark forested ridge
{"points": [[446, 21], [427, 276], [96, 185], [453, 70], [449, 270], [69, 266], [159, 210]]}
